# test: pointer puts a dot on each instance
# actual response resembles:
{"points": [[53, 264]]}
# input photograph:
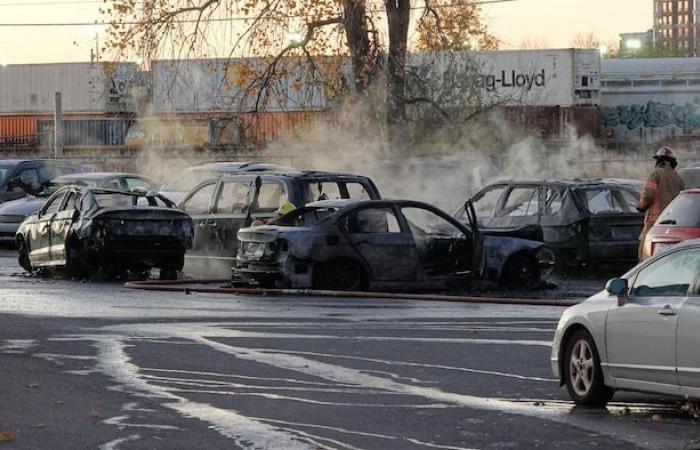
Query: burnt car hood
{"points": [[25, 206]]}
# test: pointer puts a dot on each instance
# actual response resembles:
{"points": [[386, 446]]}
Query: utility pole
{"points": [[58, 126]]}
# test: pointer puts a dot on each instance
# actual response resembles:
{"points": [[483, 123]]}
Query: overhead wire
{"points": [[184, 21]]}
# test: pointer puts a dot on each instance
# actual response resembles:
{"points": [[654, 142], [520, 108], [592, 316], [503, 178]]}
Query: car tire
{"points": [[341, 275], [75, 266], [582, 371], [23, 256], [522, 272]]}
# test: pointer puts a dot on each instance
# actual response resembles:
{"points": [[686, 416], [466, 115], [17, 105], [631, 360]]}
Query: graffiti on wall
{"points": [[652, 115]]}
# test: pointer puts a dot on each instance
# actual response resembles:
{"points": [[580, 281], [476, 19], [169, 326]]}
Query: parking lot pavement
{"points": [[92, 364]]}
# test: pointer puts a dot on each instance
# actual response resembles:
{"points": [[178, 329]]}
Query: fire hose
{"points": [[223, 286]]}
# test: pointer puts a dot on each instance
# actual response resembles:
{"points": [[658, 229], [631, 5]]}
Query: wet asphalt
{"points": [[93, 365]]}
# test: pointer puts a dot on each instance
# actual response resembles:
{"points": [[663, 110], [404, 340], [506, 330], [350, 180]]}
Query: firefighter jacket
{"points": [[662, 185]]}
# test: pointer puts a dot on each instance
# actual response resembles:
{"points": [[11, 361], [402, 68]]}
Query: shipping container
{"points": [[18, 131], [557, 77], [85, 87], [86, 132], [219, 85]]}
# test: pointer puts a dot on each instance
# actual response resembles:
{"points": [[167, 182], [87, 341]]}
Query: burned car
{"points": [[379, 245], [221, 206], [186, 180], [584, 221], [83, 229], [14, 212]]}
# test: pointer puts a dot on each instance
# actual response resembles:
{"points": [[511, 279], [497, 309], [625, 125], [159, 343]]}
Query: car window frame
{"points": [[468, 234], [62, 194], [403, 226], [693, 287], [198, 188], [213, 208], [504, 201], [499, 203]]}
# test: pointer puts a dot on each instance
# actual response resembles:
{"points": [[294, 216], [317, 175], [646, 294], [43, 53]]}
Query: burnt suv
{"points": [[584, 221], [221, 206]]}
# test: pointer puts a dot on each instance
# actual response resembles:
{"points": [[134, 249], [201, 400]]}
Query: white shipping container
{"points": [[85, 87], [557, 77], [210, 85]]}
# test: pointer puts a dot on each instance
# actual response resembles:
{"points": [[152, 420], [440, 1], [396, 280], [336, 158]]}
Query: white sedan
{"points": [[641, 333]]}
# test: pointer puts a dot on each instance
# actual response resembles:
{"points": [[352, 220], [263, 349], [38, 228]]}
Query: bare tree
{"points": [[586, 40], [302, 38]]}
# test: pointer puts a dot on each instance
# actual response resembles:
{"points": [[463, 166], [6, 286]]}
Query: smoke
{"points": [[446, 171]]}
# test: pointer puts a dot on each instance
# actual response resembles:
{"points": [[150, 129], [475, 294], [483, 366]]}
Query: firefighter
{"points": [[662, 185]]}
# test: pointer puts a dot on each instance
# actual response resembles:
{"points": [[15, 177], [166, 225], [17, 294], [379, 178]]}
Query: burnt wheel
{"points": [[340, 276], [23, 256], [75, 265], [582, 372], [521, 271]]}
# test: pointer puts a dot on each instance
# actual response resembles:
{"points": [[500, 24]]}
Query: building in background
{"points": [[676, 26], [633, 44]]}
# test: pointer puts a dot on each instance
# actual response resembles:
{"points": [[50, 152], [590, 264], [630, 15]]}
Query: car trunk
{"points": [[665, 236]]}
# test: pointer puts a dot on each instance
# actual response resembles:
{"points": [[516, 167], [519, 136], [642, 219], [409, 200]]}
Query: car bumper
{"points": [[8, 230], [289, 272], [154, 251]]}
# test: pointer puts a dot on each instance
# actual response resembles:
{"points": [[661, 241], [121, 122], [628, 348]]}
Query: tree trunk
{"points": [[398, 15], [357, 34]]}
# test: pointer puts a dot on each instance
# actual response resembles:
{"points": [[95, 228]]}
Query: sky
{"points": [[551, 22]]}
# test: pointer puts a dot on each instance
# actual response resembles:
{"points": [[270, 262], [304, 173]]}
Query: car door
{"points": [[442, 248], [228, 215], [61, 224], [40, 232], [198, 205], [614, 223], [641, 333], [387, 249], [688, 364]]}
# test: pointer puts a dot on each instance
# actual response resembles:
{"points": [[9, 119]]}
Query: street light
{"points": [[633, 44], [603, 49]]}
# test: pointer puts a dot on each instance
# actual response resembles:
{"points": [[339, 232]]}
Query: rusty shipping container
{"points": [[18, 131]]}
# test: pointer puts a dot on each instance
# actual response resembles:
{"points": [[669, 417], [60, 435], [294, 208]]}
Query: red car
{"points": [[679, 222]]}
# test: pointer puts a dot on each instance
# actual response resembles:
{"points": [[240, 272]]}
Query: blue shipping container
{"points": [[86, 132]]}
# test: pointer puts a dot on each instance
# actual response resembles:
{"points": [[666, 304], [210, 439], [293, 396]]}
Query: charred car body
{"points": [[584, 221], [220, 207], [186, 180], [379, 245], [82, 229], [14, 212]]}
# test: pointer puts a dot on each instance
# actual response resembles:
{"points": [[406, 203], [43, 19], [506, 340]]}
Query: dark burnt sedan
{"points": [[584, 221], [83, 229], [360, 245]]}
